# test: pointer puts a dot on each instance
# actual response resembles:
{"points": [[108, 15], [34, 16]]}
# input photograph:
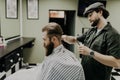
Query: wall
{"points": [[9, 27], [114, 18]]}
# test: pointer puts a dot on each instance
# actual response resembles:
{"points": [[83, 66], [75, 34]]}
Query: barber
{"points": [[101, 44]]}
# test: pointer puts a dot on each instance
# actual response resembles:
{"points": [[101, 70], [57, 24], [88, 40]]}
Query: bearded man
{"points": [[60, 63]]}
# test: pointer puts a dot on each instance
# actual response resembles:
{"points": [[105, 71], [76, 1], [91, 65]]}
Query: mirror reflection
{"points": [[9, 26]]}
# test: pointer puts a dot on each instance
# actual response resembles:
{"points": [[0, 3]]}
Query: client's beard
{"points": [[95, 22], [49, 48]]}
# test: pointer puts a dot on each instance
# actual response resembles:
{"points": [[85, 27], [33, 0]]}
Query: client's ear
{"points": [[54, 39]]}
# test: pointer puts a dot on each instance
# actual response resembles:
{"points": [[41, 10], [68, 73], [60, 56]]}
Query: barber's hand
{"points": [[63, 37], [84, 50]]}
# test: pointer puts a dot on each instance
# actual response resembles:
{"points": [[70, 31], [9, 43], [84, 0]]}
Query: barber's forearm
{"points": [[69, 39], [107, 60]]}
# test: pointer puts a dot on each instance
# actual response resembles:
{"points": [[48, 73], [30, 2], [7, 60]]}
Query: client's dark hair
{"points": [[53, 29]]}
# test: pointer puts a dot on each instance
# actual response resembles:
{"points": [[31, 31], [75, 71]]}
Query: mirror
{"points": [[9, 26]]}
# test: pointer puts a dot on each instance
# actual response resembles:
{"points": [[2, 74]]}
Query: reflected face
{"points": [[93, 18], [48, 44]]}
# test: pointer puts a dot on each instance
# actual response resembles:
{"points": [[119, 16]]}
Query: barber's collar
{"points": [[107, 26], [104, 28]]}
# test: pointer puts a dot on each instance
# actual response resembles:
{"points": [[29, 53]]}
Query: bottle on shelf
{"points": [[2, 41]]}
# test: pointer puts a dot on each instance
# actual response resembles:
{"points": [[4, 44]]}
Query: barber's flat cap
{"points": [[97, 5]]}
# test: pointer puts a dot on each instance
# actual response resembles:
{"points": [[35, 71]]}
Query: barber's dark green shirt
{"points": [[107, 42]]}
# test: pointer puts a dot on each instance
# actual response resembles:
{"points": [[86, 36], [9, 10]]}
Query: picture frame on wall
{"points": [[33, 9], [11, 9]]}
